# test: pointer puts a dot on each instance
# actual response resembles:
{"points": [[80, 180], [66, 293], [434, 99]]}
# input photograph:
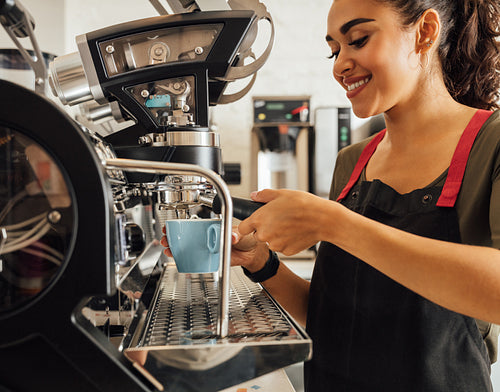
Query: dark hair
{"points": [[469, 46]]}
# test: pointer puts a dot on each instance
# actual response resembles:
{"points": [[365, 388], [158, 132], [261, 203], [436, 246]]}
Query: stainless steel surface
{"points": [[177, 337], [242, 71], [68, 81], [186, 308], [227, 213], [90, 70], [180, 192], [188, 138]]}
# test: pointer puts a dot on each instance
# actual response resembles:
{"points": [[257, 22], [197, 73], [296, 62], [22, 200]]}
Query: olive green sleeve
{"points": [[495, 202]]}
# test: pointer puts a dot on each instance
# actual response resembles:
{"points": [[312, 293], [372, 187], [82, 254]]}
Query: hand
{"points": [[248, 252], [164, 242], [288, 223]]}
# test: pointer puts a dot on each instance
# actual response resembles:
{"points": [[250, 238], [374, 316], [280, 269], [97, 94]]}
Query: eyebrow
{"points": [[347, 26]]}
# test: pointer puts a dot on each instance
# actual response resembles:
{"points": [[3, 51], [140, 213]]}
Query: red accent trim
{"points": [[457, 167], [362, 161], [458, 163], [299, 109]]}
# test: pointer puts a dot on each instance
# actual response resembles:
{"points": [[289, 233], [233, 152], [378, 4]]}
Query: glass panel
{"points": [[176, 44], [36, 219], [170, 101]]}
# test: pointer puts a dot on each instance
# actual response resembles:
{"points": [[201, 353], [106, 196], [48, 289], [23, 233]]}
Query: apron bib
{"points": [[369, 332]]}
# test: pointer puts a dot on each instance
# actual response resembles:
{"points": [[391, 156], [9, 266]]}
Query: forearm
{"points": [[463, 278], [291, 291]]}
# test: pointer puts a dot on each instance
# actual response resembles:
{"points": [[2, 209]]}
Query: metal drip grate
{"points": [[186, 311]]}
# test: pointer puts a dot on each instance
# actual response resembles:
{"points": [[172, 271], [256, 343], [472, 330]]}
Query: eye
{"points": [[334, 55], [359, 43]]}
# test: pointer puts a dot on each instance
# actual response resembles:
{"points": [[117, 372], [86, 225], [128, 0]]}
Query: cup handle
{"points": [[213, 240]]}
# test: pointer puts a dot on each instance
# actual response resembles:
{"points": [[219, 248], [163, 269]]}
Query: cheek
{"points": [[391, 68]]}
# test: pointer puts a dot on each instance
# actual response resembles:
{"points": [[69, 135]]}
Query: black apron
{"points": [[372, 334]]}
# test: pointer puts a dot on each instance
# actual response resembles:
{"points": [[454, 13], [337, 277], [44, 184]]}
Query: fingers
{"points": [[265, 195], [164, 242], [249, 225], [246, 227], [245, 243]]}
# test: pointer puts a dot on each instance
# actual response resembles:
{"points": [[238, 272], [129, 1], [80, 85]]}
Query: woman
{"points": [[409, 254]]}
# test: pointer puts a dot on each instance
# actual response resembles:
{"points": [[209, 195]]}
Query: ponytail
{"points": [[471, 54]]}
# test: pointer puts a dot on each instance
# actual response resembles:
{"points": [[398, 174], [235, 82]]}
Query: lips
{"points": [[355, 85]]}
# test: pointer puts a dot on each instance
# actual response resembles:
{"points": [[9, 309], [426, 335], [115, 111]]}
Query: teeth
{"points": [[357, 84]]}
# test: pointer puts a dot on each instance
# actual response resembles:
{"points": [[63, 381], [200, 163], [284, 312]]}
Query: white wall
{"points": [[89, 15], [49, 26]]}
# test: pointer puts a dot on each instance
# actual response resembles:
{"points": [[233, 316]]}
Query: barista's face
{"points": [[374, 55]]}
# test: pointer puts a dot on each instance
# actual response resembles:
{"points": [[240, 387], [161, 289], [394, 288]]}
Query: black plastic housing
{"points": [[206, 73]]}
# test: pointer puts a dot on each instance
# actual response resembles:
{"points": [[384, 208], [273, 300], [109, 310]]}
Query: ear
{"points": [[428, 28]]}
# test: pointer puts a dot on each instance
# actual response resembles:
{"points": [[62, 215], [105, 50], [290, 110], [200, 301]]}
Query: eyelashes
{"points": [[358, 43]]}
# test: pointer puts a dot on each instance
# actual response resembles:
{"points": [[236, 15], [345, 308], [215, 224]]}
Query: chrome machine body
{"points": [[88, 300]]}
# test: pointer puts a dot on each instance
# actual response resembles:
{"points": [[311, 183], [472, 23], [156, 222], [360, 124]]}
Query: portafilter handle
{"points": [[242, 208]]}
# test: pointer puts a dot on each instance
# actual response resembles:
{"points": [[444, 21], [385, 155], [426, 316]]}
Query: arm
{"points": [[463, 278], [291, 291]]}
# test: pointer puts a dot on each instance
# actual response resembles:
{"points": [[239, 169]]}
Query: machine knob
{"points": [[134, 237]]}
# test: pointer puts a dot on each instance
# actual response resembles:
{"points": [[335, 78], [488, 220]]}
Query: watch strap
{"points": [[268, 271]]}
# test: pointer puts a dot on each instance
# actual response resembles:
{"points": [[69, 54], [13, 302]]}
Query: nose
{"points": [[343, 64]]}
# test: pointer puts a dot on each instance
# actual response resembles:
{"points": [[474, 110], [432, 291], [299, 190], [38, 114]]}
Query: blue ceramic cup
{"points": [[195, 244]]}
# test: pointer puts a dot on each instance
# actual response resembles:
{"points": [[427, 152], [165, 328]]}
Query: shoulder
{"points": [[491, 128], [346, 161], [487, 143], [493, 123], [349, 156]]}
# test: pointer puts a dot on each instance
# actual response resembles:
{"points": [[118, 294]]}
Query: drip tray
{"points": [[176, 346]]}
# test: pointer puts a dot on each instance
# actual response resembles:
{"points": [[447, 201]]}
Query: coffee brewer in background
{"points": [[283, 152], [333, 130], [282, 144], [289, 152]]}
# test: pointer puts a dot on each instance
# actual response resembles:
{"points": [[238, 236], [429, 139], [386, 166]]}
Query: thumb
{"points": [[264, 196]]}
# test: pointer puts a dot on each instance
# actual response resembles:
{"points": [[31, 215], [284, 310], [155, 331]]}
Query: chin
{"points": [[364, 112]]}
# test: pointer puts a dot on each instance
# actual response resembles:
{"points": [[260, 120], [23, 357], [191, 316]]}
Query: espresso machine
{"points": [[88, 300]]}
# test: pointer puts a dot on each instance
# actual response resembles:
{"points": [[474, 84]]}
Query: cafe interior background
{"points": [[297, 69]]}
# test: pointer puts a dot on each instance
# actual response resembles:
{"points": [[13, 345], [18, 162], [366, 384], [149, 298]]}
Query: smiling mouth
{"points": [[359, 83]]}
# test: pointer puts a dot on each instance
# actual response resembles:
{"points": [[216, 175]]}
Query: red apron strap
{"points": [[458, 163], [362, 161]]}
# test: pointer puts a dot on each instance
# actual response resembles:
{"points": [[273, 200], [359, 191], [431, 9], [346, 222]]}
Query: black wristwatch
{"points": [[268, 271]]}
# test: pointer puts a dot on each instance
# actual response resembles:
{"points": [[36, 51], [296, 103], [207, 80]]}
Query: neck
{"points": [[428, 115]]}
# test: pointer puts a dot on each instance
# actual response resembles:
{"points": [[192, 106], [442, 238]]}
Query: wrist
{"points": [[269, 269], [259, 258]]}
